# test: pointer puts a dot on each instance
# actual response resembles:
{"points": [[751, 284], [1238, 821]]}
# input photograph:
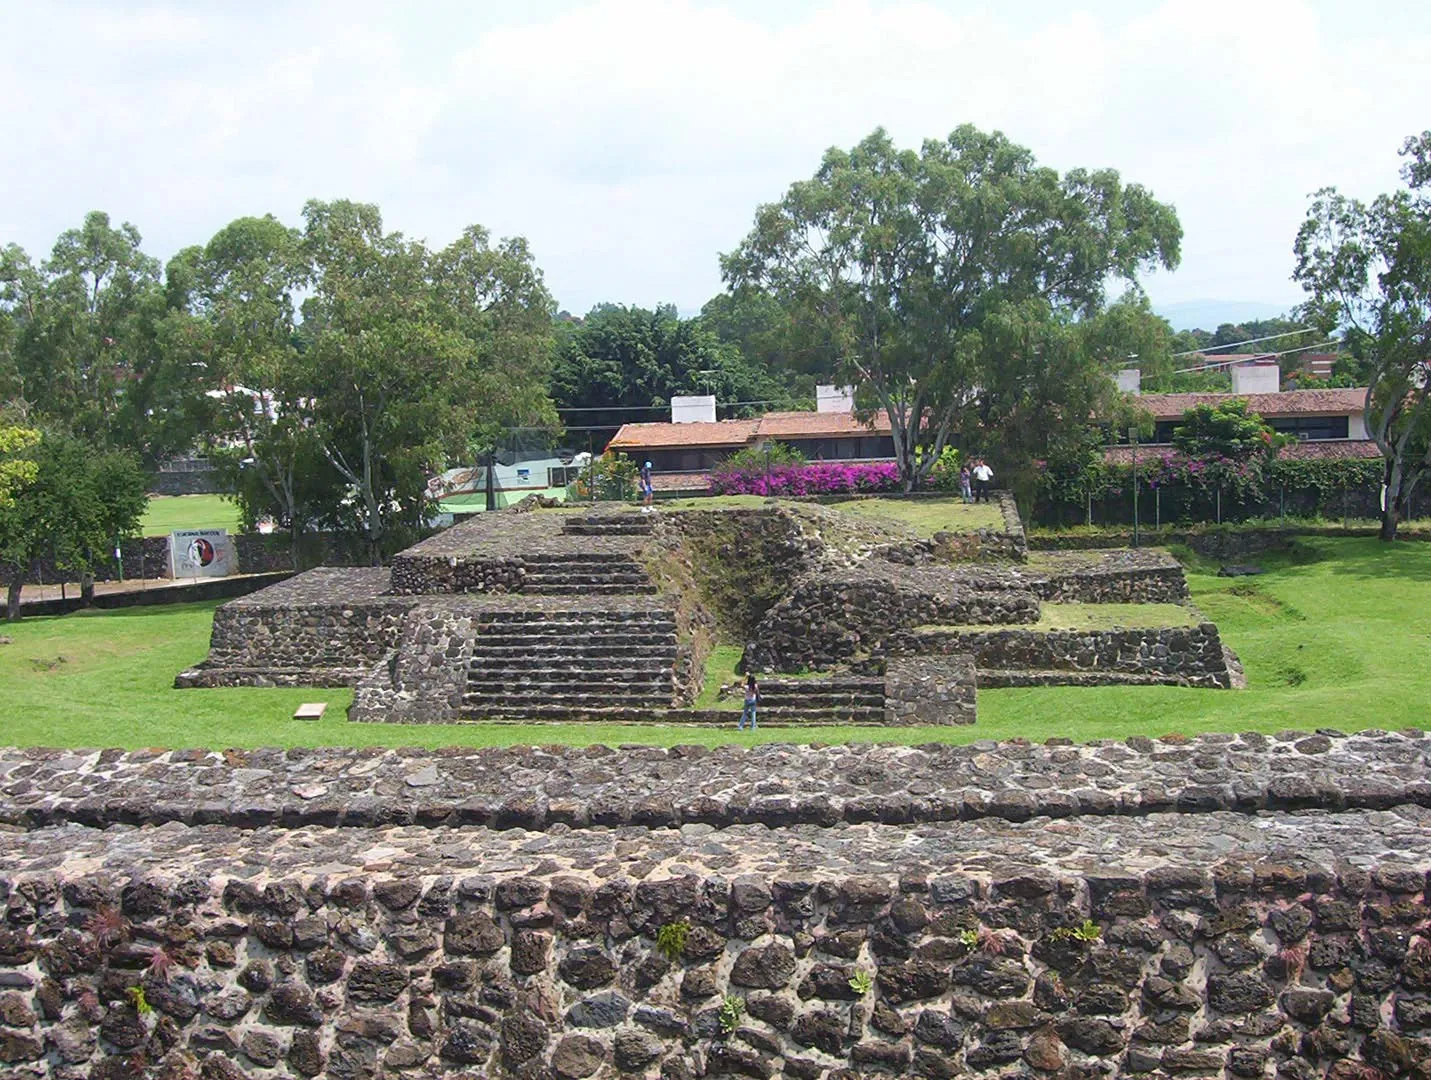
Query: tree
{"points": [[770, 342], [625, 358], [415, 357], [17, 465], [921, 269], [79, 504], [97, 343], [244, 282], [1225, 430], [1367, 270]]}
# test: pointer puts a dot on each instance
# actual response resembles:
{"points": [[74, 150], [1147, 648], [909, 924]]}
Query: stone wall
{"points": [[1173, 937], [325, 627], [422, 678], [1179, 656], [837, 617], [141, 557], [930, 690], [1111, 577]]}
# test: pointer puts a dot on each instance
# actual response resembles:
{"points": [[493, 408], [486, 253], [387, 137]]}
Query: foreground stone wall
{"points": [[1269, 943], [1181, 656], [1114, 577]]}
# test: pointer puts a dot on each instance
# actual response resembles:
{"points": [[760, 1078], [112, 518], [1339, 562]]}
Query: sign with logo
{"points": [[203, 553]]}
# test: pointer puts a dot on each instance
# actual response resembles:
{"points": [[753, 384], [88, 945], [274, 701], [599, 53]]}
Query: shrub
{"points": [[815, 478], [757, 458]]}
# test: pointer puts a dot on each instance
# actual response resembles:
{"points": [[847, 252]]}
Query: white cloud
{"points": [[631, 140]]}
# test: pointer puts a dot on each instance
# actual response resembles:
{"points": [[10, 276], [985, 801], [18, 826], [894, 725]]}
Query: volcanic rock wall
{"points": [[1226, 906]]}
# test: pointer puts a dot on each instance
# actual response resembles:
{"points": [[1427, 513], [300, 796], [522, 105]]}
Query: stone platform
{"points": [[1248, 906]]}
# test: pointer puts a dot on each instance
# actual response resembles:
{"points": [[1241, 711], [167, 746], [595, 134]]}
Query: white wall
{"points": [[1256, 378], [833, 399], [1356, 426], [1130, 380], [693, 410]]}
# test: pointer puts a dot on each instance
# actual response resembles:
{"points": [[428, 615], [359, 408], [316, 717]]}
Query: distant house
{"points": [[693, 442], [1325, 423]]}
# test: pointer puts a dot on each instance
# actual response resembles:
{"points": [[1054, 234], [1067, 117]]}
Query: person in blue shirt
{"points": [[647, 491]]}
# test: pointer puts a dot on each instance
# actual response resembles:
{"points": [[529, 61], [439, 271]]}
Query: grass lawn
{"points": [[1338, 634], [169, 512]]}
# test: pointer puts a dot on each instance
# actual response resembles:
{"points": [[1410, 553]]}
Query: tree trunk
{"points": [[1388, 522], [12, 598], [87, 589]]}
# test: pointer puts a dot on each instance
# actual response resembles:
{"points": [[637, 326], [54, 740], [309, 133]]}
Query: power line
{"points": [[1249, 341], [1233, 363]]}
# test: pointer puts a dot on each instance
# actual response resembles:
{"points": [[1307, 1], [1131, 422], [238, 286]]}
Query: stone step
{"points": [[557, 656], [872, 701], [584, 590], [558, 630], [486, 681], [854, 683], [574, 642], [540, 617], [527, 665], [622, 576], [1003, 678], [653, 705], [577, 558]]}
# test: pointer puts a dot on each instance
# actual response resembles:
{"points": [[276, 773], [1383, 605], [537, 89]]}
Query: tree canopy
{"points": [[946, 282], [623, 358], [1367, 271]]}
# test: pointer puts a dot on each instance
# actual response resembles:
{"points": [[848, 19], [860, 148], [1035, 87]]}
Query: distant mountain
{"points": [[1210, 314]]}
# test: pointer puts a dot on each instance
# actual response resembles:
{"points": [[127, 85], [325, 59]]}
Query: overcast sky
{"points": [[630, 141]]}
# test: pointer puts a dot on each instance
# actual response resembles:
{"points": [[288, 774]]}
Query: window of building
{"points": [[1312, 428]]}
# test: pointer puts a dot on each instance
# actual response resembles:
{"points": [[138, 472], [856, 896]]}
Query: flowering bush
{"points": [[815, 478]]}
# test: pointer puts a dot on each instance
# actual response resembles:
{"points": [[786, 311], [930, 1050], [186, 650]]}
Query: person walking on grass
{"points": [[752, 699], [983, 475], [647, 491], [964, 484]]}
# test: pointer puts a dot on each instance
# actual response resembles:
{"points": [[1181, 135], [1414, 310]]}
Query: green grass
{"points": [[1075, 616], [169, 512], [720, 670], [1335, 634]]}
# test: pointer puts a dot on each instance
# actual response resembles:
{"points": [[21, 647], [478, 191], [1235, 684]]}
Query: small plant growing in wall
{"points": [[139, 1001], [861, 983], [731, 1010], [1086, 932], [987, 941], [671, 939]]}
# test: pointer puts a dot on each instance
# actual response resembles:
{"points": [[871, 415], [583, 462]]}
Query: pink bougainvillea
{"points": [[813, 478]]}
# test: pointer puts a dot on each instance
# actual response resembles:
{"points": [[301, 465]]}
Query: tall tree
{"points": [[96, 343], [1367, 270], [244, 283], [907, 261], [415, 356]]}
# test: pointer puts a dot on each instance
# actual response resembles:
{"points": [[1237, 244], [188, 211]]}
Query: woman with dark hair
{"points": [[752, 699]]}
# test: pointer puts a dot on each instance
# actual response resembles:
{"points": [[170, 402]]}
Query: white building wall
{"points": [[1256, 378], [693, 410], [834, 399], [1356, 426]]}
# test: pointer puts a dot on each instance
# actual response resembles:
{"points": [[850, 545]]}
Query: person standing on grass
{"points": [[964, 484], [647, 491], [983, 475], [752, 699]]}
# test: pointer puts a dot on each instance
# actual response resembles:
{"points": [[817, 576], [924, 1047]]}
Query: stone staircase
{"points": [[843, 699], [560, 664], [618, 524], [584, 574]]}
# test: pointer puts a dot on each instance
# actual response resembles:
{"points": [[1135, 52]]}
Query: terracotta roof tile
{"points": [[1288, 403], [653, 436], [794, 425]]}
